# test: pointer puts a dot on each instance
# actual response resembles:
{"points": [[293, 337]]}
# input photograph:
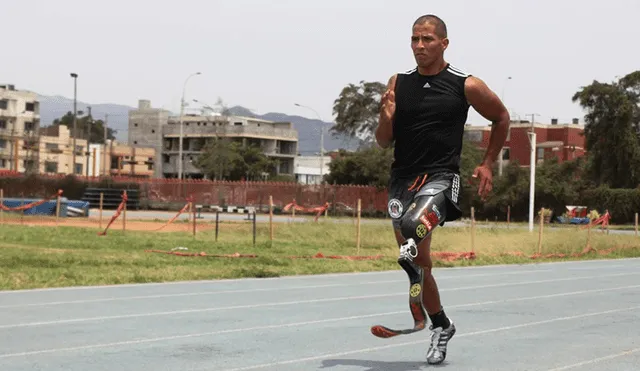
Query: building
{"points": [[115, 159], [19, 124], [156, 128], [145, 130], [56, 156], [563, 141], [307, 168]]}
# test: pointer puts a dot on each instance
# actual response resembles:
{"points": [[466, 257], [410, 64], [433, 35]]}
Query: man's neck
{"points": [[434, 68]]}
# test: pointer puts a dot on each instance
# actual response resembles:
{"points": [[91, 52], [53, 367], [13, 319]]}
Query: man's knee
{"points": [[424, 255], [422, 217]]}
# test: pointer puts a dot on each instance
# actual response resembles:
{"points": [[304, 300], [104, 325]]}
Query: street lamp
{"points": [[321, 140], [75, 119], [532, 170], [184, 87]]}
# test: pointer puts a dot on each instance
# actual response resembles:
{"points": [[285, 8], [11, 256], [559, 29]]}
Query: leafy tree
{"points": [[218, 158], [223, 158], [611, 130], [357, 110], [87, 127], [250, 163], [368, 166]]}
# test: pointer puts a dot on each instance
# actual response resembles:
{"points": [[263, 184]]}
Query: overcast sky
{"points": [[267, 55]]}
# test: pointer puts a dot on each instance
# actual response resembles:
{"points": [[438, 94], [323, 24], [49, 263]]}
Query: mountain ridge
{"points": [[53, 107]]}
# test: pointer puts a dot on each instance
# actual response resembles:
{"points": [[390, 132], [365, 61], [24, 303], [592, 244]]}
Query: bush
{"points": [[621, 203]]}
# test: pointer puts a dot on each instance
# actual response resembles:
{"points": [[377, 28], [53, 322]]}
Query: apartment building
{"points": [[564, 141], [117, 159], [155, 127], [19, 123], [56, 153]]}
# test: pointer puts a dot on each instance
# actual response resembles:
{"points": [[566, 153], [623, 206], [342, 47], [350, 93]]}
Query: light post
{"points": [[321, 141], [184, 87], [75, 119], [532, 171]]}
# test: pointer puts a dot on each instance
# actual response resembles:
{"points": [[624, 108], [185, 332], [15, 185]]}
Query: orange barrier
{"points": [[345, 257], [117, 213], [604, 220], [451, 256], [203, 254], [189, 202], [319, 210], [33, 204]]}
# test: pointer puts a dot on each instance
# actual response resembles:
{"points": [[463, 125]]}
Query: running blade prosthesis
{"points": [[408, 251]]}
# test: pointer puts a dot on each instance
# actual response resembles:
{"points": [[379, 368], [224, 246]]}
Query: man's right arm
{"points": [[384, 131]]}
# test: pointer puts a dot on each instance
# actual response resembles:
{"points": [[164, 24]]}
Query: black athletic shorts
{"points": [[403, 190]]}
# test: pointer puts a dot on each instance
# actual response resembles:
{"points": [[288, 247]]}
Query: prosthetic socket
{"points": [[426, 212]]}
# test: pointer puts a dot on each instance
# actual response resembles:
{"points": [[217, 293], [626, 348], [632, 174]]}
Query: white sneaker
{"points": [[439, 339]]}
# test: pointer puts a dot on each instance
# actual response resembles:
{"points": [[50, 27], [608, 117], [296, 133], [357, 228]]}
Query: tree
{"points": [[218, 158], [357, 110], [611, 130], [223, 158], [368, 166], [84, 124]]}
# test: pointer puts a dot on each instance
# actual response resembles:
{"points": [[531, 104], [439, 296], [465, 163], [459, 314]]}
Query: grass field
{"points": [[33, 256]]}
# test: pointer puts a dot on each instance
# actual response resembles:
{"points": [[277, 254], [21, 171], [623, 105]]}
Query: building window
{"points": [[28, 126], [506, 154], [50, 167], [29, 165], [78, 169], [4, 104], [3, 124], [3, 163], [29, 107], [540, 153], [3, 143]]}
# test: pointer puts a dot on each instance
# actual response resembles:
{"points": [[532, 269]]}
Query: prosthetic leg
{"points": [[426, 212]]}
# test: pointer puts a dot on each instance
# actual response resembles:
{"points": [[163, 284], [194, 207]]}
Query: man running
{"points": [[424, 112]]}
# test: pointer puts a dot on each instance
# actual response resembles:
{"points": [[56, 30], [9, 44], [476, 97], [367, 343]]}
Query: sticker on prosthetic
{"points": [[428, 221]]}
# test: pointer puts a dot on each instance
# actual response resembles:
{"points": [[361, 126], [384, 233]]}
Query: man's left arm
{"points": [[487, 104]]}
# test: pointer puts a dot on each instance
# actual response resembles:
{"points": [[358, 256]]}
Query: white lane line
{"points": [[482, 332], [305, 323], [596, 360], [600, 267], [297, 302], [198, 293], [321, 276]]}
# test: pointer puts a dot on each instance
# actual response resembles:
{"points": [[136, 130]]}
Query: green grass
{"points": [[33, 257]]}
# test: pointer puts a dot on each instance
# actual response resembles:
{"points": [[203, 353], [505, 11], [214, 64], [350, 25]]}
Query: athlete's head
{"points": [[428, 39]]}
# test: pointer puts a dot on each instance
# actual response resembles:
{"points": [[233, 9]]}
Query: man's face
{"points": [[426, 45]]}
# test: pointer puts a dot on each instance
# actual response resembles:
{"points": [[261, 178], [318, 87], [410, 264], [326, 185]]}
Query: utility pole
{"points": [[104, 153], [88, 133], [321, 140], [182, 103], [75, 120]]}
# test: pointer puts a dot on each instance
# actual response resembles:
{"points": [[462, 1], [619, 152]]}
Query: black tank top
{"points": [[431, 112]]}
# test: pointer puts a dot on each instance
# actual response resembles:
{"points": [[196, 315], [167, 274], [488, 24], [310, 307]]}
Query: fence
{"points": [[169, 194]]}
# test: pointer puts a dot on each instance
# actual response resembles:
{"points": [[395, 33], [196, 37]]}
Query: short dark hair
{"points": [[441, 27]]}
